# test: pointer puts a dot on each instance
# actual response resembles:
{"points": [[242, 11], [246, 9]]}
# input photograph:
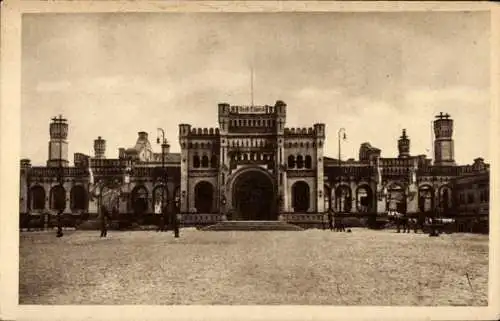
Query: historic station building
{"points": [[252, 167]]}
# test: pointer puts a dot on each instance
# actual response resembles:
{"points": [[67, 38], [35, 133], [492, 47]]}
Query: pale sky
{"points": [[113, 75]]}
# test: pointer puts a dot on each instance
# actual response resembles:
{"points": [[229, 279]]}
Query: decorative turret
{"points": [[25, 163], [404, 145], [58, 144], [443, 142], [100, 148]]}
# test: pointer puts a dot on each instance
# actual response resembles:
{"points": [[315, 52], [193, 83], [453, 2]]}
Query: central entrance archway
{"points": [[253, 197]]}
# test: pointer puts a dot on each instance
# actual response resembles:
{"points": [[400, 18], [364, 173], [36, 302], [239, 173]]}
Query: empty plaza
{"points": [[313, 267]]}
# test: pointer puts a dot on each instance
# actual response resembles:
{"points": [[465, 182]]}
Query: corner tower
{"points": [[444, 153], [58, 144]]}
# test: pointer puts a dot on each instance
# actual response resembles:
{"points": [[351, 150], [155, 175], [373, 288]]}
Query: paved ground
{"points": [[311, 267]]}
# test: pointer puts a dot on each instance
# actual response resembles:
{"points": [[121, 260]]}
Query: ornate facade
{"points": [[251, 167]]}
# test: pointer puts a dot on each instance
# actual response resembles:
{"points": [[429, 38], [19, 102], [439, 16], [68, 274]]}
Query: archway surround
{"points": [[253, 196]]}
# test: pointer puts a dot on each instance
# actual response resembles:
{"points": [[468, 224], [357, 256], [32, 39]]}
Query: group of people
{"points": [[403, 222], [335, 224], [167, 219]]}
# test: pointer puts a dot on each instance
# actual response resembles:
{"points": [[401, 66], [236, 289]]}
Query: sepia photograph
{"points": [[255, 158]]}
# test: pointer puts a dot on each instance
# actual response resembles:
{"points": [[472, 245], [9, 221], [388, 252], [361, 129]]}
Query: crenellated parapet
{"points": [[230, 110], [317, 131], [300, 131], [204, 132], [25, 163]]}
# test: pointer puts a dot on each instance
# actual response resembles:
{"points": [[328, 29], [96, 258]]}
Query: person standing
{"points": [[175, 222]]}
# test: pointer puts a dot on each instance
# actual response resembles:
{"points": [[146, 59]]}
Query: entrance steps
{"points": [[252, 226]]}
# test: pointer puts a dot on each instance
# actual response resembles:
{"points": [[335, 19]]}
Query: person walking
{"points": [[330, 219], [59, 224], [104, 221], [164, 219]]}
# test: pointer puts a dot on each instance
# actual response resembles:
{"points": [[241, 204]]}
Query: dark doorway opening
{"points": [[253, 197], [204, 196], [300, 193]]}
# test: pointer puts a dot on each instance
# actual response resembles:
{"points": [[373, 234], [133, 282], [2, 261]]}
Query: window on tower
{"points": [[204, 161], [196, 161], [291, 161]]}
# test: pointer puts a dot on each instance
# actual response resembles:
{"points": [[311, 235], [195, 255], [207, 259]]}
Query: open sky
{"points": [[374, 74]]}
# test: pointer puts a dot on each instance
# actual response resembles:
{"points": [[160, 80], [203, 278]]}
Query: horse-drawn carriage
{"points": [[421, 221]]}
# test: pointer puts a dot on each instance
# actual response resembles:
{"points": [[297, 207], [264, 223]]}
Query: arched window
{"points": [[213, 161], [291, 161], [396, 199], [78, 198], [308, 162], [204, 195], [57, 198], [37, 198], [300, 194], [300, 162], [196, 161], [204, 161]]}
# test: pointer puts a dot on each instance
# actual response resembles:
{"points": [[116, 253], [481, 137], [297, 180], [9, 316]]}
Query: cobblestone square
{"points": [[312, 267]]}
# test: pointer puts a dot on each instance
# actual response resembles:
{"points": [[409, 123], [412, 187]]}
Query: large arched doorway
{"points": [[253, 197], [445, 199], [343, 199], [425, 199], [58, 198], [160, 199], [364, 199], [110, 197], [37, 198], [140, 200], [203, 197], [396, 198], [78, 198], [300, 197]]}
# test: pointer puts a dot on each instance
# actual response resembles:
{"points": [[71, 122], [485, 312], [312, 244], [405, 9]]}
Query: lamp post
{"points": [[344, 137], [164, 200], [60, 121]]}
